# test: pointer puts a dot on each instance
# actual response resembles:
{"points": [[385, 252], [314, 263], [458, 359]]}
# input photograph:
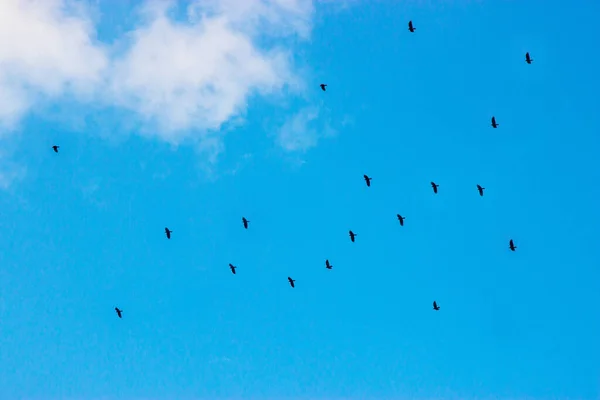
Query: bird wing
{"points": [[434, 304]]}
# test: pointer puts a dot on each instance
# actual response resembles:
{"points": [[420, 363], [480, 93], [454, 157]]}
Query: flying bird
{"points": [[232, 268], [323, 86], [410, 26], [434, 186], [494, 124], [435, 306], [168, 233], [291, 281], [400, 219], [368, 180], [480, 189], [119, 312], [511, 245], [245, 222], [528, 59], [327, 265], [352, 235], [55, 148]]}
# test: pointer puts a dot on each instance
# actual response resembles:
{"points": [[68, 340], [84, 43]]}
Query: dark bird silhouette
{"points": [[119, 312], [410, 26], [245, 222], [494, 124], [327, 265], [368, 180], [434, 186], [435, 306], [528, 59], [352, 235], [323, 86], [400, 219], [232, 268], [168, 233], [291, 281], [511, 245], [480, 189], [55, 148]]}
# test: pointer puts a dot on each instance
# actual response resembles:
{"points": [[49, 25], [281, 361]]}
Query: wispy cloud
{"points": [[303, 129]]}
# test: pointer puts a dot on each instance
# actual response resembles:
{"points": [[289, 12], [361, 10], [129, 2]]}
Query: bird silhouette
{"points": [[291, 281], [327, 265], [434, 186], [119, 312], [494, 124], [511, 245], [435, 306], [480, 189], [245, 222], [168, 233], [400, 219], [55, 148], [367, 180], [528, 59], [352, 235], [410, 26], [323, 86], [232, 268]]}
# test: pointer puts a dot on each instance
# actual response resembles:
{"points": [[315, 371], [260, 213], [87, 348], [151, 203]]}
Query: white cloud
{"points": [[183, 78], [195, 76], [47, 49]]}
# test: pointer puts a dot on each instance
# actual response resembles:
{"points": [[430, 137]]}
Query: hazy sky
{"points": [[191, 115]]}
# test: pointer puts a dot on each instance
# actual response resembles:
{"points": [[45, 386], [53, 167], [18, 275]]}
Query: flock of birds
{"points": [[434, 186]]}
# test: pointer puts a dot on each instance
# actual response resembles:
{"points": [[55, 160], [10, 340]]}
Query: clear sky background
{"points": [[193, 116]]}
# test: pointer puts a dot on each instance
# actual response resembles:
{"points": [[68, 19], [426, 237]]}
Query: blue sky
{"points": [[192, 124]]}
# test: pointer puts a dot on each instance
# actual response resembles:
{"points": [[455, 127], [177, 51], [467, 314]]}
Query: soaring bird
{"points": [[494, 124], [434, 186], [245, 222], [168, 233], [400, 219], [232, 268], [323, 86], [119, 312], [352, 235], [480, 189], [511, 245], [327, 265], [368, 180], [410, 26], [55, 148], [435, 306], [528, 59], [291, 281]]}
